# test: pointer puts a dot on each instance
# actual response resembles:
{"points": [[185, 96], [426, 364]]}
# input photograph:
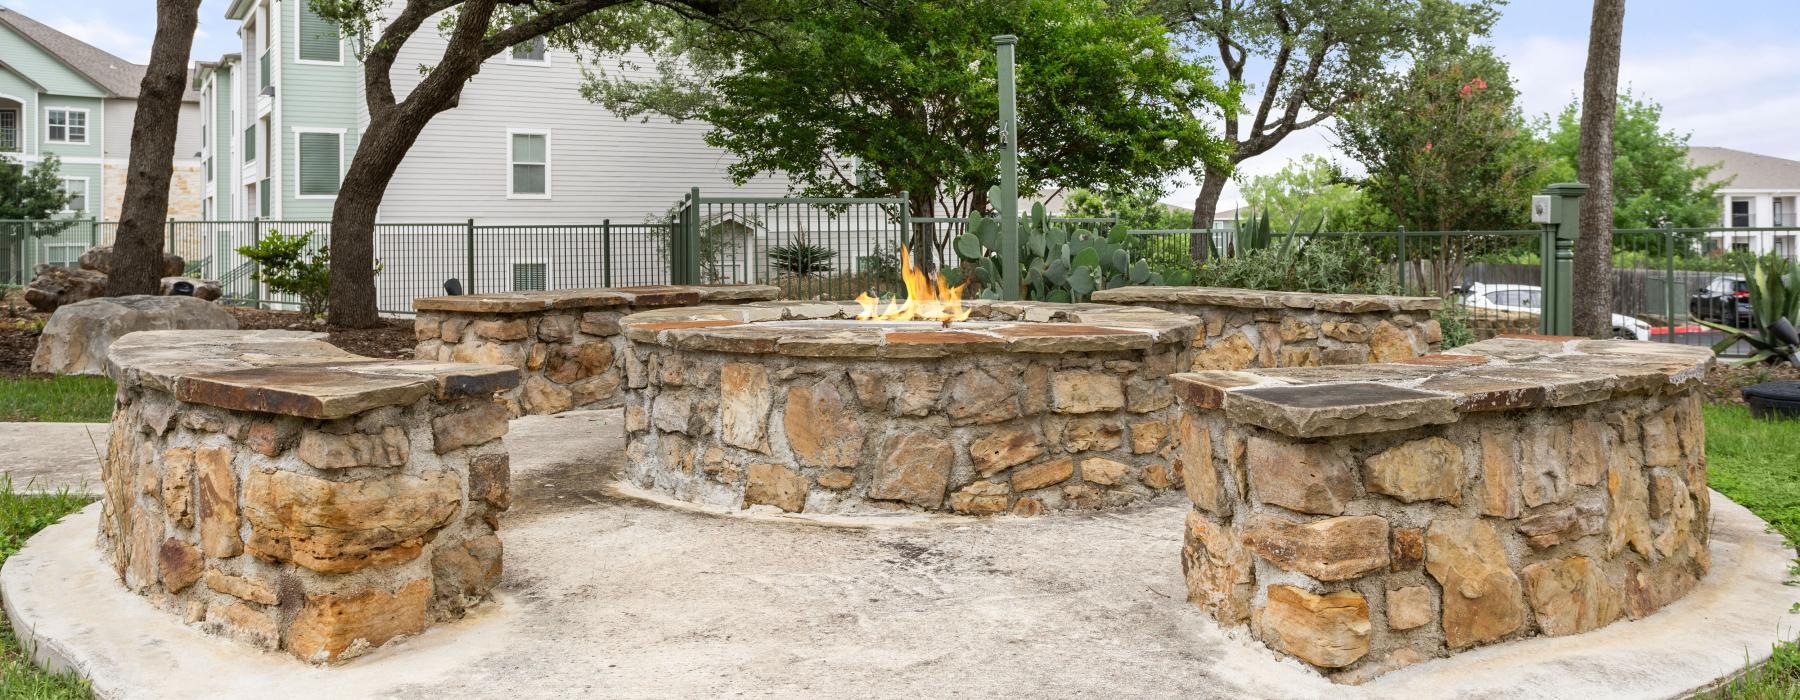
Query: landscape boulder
{"points": [[76, 337], [208, 290], [52, 286], [99, 259]]}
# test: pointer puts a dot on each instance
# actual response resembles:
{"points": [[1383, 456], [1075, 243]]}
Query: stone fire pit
{"points": [[1023, 407]]}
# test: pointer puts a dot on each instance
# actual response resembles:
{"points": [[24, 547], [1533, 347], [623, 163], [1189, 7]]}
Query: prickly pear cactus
{"points": [[1059, 262]]}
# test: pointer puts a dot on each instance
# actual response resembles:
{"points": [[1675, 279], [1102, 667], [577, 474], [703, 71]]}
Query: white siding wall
{"points": [[601, 166], [119, 116]]}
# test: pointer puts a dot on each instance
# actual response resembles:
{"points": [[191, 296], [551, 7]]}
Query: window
{"points": [[262, 198], [530, 277], [76, 188], [67, 125], [319, 162], [9, 130], [1780, 220], [63, 254], [534, 51], [319, 38], [1740, 213], [529, 176]]}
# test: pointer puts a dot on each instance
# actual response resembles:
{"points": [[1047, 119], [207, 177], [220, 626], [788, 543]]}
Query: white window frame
{"points": [[311, 62], [297, 131], [78, 249], [87, 193], [549, 283], [87, 125], [548, 140], [526, 61]]}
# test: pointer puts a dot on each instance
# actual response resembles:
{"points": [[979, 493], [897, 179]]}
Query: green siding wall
{"points": [[42, 67], [312, 96], [96, 125]]}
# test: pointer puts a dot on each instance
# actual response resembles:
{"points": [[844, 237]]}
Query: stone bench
{"points": [[1365, 518], [565, 343], [1249, 329], [270, 487]]}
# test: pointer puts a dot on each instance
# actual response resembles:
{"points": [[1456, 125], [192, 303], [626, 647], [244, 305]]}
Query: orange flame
{"points": [[927, 298]]}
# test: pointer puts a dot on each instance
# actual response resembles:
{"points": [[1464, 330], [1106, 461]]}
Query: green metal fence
{"points": [[811, 247]]}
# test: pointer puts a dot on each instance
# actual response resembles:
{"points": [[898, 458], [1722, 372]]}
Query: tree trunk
{"points": [[137, 249], [352, 300], [1212, 184], [1593, 284], [924, 244]]}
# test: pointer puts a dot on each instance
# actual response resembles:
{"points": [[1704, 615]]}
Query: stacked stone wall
{"points": [[565, 343], [260, 490], [734, 413], [1247, 329], [1378, 518]]}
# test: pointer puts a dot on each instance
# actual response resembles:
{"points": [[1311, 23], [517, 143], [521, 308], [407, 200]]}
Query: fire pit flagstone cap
{"points": [[830, 329], [595, 298], [1506, 373], [1253, 299], [291, 373]]}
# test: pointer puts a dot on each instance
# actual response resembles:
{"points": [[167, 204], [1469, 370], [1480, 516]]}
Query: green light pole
{"points": [[1009, 170]]}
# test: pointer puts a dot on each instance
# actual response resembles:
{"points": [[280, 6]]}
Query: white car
{"points": [[1529, 299]]}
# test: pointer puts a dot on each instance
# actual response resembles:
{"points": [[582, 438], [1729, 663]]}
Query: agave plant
{"points": [[1774, 286]]}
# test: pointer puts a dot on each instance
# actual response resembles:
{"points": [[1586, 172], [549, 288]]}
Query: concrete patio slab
{"points": [[610, 595]]}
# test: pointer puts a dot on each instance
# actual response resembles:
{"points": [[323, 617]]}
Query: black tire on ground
{"points": [[1773, 399]]}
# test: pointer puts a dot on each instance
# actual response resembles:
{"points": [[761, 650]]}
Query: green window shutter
{"points": [[319, 40], [250, 143], [262, 71], [319, 167], [530, 277], [262, 197]]}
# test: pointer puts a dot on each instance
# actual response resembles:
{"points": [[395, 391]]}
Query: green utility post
{"points": [[1558, 210], [1009, 170]]}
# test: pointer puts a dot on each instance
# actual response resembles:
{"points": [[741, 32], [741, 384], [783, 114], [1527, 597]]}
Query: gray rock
{"points": [[52, 287], [77, 336], [99, 259], [207, 290]]}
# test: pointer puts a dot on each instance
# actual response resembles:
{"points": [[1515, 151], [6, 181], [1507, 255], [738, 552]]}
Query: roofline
{"points": [[23, 76], [237, 9], [59, 59]]}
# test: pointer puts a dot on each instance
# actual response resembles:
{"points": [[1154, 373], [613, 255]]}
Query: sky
{"points": [[1727, 72]]}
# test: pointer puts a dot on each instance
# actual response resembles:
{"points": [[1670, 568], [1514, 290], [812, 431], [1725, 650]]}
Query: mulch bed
{"points": [[20, 325], [1725, 380]]}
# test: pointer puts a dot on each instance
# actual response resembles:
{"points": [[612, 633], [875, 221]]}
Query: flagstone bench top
{"points": [[826, 329], [597, 298], [1501, 374], [1253, 299], [293, 373]]}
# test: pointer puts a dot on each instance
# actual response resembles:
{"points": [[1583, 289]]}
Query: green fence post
{"points": [[1400, 242], [255, 278], [169, 237], [469, 257], [1558, 210], [1009, 170], [1669, 282], [606, 252], [690, 241]]}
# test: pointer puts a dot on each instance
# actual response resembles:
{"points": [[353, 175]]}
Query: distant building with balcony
{"points": [[1757, 191], [62, 96]]}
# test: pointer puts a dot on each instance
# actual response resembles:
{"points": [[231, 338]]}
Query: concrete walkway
{"points": [[610, 595], [53, 456]]}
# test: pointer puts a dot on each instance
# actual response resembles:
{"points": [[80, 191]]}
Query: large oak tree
{"points": [[1320, 55], [137, 249], [474, 31]]}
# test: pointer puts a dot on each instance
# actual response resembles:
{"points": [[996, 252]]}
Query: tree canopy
{"points": [[1445, 145], [1653, 182], [872, 99], [1314, 192], [34, 193], [1140, 209]]}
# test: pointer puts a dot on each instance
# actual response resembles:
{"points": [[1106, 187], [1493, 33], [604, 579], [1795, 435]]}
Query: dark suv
{"points": [[1726, 299]]}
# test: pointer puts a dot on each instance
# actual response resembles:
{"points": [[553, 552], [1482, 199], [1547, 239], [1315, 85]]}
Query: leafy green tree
{"points": [[1445, 145], [285, 264], [1314, 193], [873, 99], [1653, 182], [1142, 209], [34, 193], [1322, 56]]}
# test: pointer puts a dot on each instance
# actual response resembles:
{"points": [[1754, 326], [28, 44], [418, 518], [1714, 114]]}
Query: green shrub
{"points": [[1453, 319], [1325, 266], [287, 267]]}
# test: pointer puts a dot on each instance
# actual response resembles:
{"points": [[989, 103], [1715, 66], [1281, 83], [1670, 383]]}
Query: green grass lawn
{"points": [[70, 399], [21, 516], [1753, 463]]}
